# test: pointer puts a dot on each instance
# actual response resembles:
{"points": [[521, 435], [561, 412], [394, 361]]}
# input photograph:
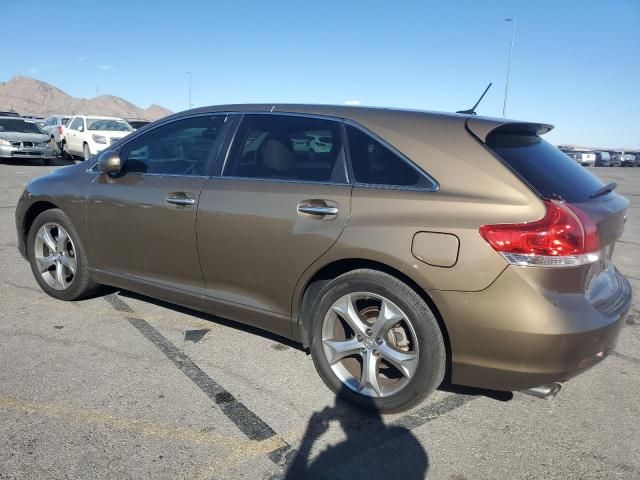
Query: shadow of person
{"points": [[371, 449]]}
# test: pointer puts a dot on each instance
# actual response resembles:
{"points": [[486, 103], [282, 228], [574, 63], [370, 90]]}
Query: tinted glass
{"points": [[288, 148], [65, 120], [549, 171], [108, 124], [183, 147], [18, 125], [375, 164], [76, 123]]}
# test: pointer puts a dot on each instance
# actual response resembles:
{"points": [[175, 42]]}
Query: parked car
{"points": [[87, 135], [587, 159], [54, 127], [614, 160], [137, 123], [628, 160], [379, 254], [603, 159], [23, 139]]}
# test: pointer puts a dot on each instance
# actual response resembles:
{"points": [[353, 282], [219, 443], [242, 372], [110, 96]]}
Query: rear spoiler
{"points": [[481, 127]]}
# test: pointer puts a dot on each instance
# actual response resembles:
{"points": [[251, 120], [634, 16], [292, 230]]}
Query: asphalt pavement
{"points": [[124, 386]]}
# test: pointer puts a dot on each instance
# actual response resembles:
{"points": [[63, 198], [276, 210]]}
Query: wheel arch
{"points": [[32, 213], [305, 300]]}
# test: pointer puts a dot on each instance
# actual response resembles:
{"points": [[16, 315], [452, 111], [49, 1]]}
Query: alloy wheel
{"points": [[370, 344], [55, 256]]}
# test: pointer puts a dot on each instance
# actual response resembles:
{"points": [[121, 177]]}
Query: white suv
{"points": [[87, 135]]}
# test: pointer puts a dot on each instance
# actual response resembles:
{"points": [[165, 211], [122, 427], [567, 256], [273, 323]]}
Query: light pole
{"points": [[190, 104], [506, 86]]}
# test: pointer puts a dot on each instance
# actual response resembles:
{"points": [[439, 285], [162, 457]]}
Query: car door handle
{"points": [[317, 210], [181, 200]]}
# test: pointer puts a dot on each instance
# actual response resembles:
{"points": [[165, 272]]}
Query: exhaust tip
{"points": [[544, 391]]}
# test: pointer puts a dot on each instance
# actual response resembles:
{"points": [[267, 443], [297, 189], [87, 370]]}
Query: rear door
{"points": [[280, 203], [142, 222]]}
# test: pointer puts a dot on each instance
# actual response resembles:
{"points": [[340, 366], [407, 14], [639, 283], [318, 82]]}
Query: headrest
{"points": [[276, 156]]}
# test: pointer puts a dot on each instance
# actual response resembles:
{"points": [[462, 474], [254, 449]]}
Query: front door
{"points": [[282, 202], [73, 135], [142, 222]]}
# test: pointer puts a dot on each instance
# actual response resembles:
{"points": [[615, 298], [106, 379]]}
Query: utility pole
{"points": [[506, 86], [190, 104]]}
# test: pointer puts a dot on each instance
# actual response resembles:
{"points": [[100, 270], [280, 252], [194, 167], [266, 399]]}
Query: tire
{"points": [[65, 152], [86, 153], [41, 250], [46, 161], [416, 340]]}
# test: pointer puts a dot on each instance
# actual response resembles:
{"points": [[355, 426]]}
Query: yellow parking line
{"points": [[240, 448]]}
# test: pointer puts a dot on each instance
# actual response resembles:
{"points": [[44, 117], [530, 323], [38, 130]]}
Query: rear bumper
{"points": [[514, 336]]}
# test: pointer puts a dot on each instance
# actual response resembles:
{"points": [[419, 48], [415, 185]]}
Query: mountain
{"points": [[29, 96]]}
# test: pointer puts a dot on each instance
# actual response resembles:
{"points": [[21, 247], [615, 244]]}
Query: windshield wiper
{"points": [[610, 187]]}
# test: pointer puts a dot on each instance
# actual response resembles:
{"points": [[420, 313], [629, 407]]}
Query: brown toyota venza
{"points": [[403, 248]]}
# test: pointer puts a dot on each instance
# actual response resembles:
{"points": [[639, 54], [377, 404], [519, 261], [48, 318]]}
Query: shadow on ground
{"points": [[365, 453], [25, 162]]}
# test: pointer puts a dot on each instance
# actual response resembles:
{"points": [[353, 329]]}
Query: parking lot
{"points": [[123, 386]]}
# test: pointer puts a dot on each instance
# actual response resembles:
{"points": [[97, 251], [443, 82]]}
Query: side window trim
{"points": [[226, 157], [215, 156], [435, 186]]}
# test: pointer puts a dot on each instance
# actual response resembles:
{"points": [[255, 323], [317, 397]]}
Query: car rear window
{"points": [[551, 173]]}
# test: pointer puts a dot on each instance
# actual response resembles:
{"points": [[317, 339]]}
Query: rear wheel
{"points": [[65, 152], [57, 257], [375, 342]]}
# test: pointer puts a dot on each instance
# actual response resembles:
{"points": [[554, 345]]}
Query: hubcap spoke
{"points": [[388, 316], [45, 263], [60, 275], [69, 262], [369, 379], [406, 362], [339, 349], [347, 311], [45, 235], [61, 240]]}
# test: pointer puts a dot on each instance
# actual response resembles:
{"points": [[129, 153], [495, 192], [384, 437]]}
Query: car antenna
{"points": [[472, 110]]}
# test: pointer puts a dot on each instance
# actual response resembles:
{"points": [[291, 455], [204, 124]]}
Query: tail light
{"points": [[59, 130], [566, 236]]}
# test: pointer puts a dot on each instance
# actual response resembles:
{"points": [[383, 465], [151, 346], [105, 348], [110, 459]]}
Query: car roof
{"points": [[105, 117], [479, 125], [6, 117]]}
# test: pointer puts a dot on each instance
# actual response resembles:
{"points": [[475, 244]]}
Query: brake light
{"points": [[59, 130], [565, 236]]}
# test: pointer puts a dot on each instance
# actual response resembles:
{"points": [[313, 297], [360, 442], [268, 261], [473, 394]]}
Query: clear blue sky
{"points": [[576, 64]]}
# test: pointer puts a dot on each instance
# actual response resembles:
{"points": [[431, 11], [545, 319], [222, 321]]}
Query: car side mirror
{"points": [[109, 162], [81, 128]]}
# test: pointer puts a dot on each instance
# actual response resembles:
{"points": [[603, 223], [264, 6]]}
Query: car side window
{"points": [[283, 147], [182, 147], [76, 123], [375, 164]]}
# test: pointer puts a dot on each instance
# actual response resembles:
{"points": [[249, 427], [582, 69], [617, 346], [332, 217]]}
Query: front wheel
{"points": [[86, 152], [375, 342], [57, 257]]}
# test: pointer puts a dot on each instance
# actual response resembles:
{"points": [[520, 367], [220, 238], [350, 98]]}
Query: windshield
{"points": [[108, 124], [19, 126]]}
